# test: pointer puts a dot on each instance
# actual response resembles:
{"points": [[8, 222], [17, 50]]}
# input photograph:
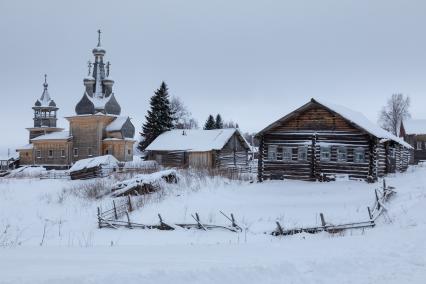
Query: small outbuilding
{"points": [[320, 141], [94, 167], [9, 162], [220, 149], [413, 131]]}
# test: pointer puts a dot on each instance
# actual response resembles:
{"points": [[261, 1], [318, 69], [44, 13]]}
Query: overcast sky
{"points": [[252, 61]]}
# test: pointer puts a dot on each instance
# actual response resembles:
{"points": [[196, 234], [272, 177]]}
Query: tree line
{"points": [[167, 113]]}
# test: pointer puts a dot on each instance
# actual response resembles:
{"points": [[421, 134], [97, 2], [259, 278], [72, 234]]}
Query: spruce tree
{"points": [[218, 122], [159, 118], [210, 123]]}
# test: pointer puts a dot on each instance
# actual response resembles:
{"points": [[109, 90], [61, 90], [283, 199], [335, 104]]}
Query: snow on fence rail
{"points": [[55, 175], [110, 219], [378, 209]]}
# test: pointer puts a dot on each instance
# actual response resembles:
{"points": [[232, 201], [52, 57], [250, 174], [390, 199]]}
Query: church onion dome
{"points": [[98, 50], [52, 103], [112, 106], [37, 103], [85, 106]]}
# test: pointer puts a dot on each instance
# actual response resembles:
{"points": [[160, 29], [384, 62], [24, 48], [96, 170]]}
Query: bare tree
{"points": [[395, 111], [182, 117]]}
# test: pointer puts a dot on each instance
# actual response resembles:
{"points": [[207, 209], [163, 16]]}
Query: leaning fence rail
{"points": [[381, 197]]}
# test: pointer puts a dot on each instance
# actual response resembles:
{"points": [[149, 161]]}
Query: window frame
{"points": [[272, 149], [342, 150], [50, 153], [419, 145], [38, 154], [357, 151], [287, 154], [322, 151], [89, 152], [62, 153], [75, 152], [304, 151]]}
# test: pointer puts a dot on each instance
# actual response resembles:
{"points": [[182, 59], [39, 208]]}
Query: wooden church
{"points": [[96, 129], [320, 141]]}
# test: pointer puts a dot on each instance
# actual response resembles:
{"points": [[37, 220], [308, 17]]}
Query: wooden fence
{"points": [[381, 197], [110, 219]]}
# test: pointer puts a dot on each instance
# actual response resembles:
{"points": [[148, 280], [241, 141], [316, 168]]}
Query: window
{"points": [[393, 153], [287, 153], [129, 152], [75, 152], [359, 155], [106, 152], [62, 153], [26, 154], [38, 154], [50, 153], [272, 152], [419, 145], [342, 154], [325, 153], [89, 152], [302, 153]]}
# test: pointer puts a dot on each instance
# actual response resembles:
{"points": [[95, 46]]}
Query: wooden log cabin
{"points": [[221, 149], [413, 131], [320, 141]]}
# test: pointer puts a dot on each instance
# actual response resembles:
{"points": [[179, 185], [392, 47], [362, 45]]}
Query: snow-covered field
{"points": [[52, 234]]}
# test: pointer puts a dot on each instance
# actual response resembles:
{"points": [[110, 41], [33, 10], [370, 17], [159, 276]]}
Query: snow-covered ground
{"points": [[53, 236]]}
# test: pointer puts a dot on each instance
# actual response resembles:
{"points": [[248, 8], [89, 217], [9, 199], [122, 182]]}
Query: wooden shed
{"points": [[320, 141], [100, 166], [203, 149]]}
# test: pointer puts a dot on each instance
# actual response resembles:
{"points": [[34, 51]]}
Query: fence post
{"points": [[377, 200], [322, 220], [99, 217], [128, 220], [280, 229], [129, 203], [115, 210], [370, 215]]}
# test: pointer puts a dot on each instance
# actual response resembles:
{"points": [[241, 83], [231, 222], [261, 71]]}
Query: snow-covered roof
{"points": [[118, 139], [13, 155], [354, 117], [193, 140], [26, 147], [59, 135], [107, 160], [415, 126], [117, 124], [363, 122]]}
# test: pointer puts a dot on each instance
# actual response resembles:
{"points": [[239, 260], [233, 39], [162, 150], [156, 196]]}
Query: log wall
{"points": [[316, 128]]}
